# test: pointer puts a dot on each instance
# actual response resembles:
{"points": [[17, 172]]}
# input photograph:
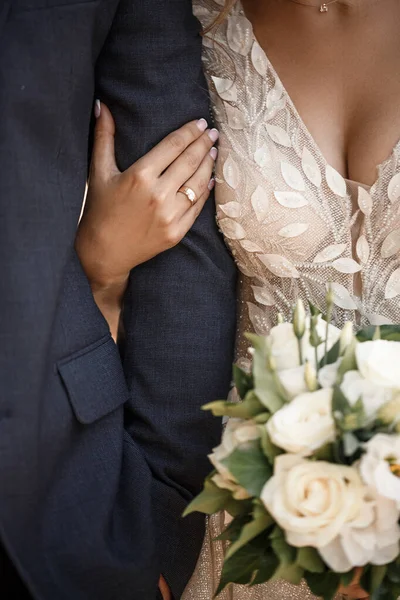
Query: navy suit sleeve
{"points": [[180, 307]]}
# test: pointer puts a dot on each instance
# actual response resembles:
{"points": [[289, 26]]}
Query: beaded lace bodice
{"points": [[293, 223]]}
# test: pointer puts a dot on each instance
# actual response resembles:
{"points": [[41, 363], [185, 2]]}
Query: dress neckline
{"points": [[379, 168]]}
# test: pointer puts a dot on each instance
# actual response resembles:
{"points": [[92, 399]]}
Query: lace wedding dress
{"points": [[293, 224]]}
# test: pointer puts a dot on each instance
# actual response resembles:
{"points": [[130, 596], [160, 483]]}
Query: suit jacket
{"points": [[98, 460]]}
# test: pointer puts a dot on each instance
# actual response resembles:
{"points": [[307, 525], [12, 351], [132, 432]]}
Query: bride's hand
{"points": [[132, 216]]}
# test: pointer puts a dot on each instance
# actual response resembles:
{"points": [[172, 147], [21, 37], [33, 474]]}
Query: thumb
{"points": [[103, 155]]}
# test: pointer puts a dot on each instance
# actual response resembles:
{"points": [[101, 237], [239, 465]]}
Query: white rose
{"points": [[312, 500], [285, 348], [305, 424], [293, 380], [380, 466], [327, 376], [326, 506], [378, 361], [371, 538], [373, 396], [237, 433]]}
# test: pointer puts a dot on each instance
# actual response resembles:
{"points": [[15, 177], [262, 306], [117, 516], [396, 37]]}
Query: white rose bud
{"points": [[299, 319], [346, 337], [310, 377], [303, 425]]}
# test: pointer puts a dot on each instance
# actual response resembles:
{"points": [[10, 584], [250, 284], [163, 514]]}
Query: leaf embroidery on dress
{"points": [[394, 188], [263, 296], [330, 253], [259, 59], [232, 229], [341, 296], [291, 199], [250, 246], [262, 156], [293, 230], [236, 118], [335, 181], [257, 318], [362, 249], [292, 176], [231, 209], [364, 201], [239, 35], [346, 265], [392, 288], [311, 168], [260, 203], [391, 244], [226, 89], [278, 135], [231, 173], [279, 265]]}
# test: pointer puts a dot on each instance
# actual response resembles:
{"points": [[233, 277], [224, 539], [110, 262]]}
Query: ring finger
{"points": [[200, 184]]}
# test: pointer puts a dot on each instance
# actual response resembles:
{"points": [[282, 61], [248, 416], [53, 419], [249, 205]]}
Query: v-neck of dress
{"points": [[306, 132]]}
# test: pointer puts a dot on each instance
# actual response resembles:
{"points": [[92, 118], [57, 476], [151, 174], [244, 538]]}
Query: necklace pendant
{"points": [[323, 8]]}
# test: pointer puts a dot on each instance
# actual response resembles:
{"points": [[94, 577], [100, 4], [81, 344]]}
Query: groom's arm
{"points": [[180, 307]]}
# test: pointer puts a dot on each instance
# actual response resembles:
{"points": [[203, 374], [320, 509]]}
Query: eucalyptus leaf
{"points": [[210, 500], [250, 467], [309, 560]]}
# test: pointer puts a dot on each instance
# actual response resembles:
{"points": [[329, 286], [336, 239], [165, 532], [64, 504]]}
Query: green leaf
{"points": [[270, 451], [340, 404], [266, 569], [377, 575], [349, 362], [261, 521], [323, 584], [266, 384], [331, 356], [388, 332], [347, 578], [324, 453], [243, 381], [241, 567], [238, 508], [210, 500], [249, 408], [250, 467], [309, 560], [291, 573], [313, 310], [232, 532], [285, 553], [393, 572], [262, 418]]}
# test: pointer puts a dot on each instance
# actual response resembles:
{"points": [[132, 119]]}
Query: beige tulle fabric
{"points": [[294, 225]]}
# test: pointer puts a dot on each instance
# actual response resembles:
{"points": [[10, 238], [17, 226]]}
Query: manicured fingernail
{"points": [[202, 124], [97, 109], [213, 134], [211, 183], [213, 153]]}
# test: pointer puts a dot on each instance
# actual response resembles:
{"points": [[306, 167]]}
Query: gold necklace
{"points": [[323, 8]]}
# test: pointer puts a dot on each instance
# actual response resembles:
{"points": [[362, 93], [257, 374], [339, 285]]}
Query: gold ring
{"points": [[189, 193]]}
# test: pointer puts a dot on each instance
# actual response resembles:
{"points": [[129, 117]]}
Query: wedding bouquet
{"points": [[309, 464]]}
